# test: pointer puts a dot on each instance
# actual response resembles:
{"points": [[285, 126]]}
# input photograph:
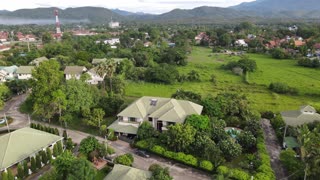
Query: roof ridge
{"points": [[10, 134]]}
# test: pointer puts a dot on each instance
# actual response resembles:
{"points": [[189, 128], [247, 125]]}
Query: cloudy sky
{"points": [[148, 6]]}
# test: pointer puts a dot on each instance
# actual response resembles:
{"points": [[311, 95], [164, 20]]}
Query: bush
{"points": [[10, 174], [267, 115], [38, 161], [143, 144], [223, 170], [49, 154], [4, 175], [33, 165], [207, 165], [126, 159], [239, 174], [25, 169], [20, 174], [282, 88], [158, 149], [110, 150]]}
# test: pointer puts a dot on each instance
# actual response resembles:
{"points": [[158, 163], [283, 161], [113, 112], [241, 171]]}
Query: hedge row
{"points": [[180, 157], [264, 171], [45, 128]]}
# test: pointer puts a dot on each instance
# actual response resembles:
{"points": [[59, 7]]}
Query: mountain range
{"points": [[259, 9]]}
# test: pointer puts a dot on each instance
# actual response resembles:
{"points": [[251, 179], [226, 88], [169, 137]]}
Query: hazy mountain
{"points": [[90, 14], [128, 13], [3, 12], [279, 5]]}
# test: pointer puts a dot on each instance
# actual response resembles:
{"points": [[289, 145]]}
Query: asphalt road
{"points": [[178, 171]]}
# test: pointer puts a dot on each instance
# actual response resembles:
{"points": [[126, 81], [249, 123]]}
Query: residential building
{"points": [[121, 172], [112, 41], [24, 72], [94, 77], [306, 114], [98, 61], [4, 47], [241, 43], [159, 112], [8, 72], [74, 72], [22, 144], [114, 24], [4, 36]]}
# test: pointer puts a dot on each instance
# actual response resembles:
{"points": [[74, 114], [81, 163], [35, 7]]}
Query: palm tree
{"points": [[107, 69]]}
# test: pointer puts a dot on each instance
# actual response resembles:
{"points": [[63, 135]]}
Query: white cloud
{"points": [[149, 6]]}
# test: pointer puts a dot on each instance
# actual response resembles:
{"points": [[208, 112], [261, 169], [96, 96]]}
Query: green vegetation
{"points": [[126, 159], [269, 70]]}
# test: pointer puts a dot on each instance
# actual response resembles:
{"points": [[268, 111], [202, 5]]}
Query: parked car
{"points": [[142, 154]]}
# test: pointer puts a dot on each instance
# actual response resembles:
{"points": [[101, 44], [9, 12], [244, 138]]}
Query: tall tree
{"points": [[81, 169], [107, 68], [47, 80], [64, 163]]}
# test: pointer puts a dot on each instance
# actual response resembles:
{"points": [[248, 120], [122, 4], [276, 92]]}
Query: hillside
{"points": [[92, 14], [279, 5]]}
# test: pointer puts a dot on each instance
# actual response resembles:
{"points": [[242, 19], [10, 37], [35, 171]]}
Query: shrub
{"points": [[38, 161], [267, 115], [126, 159], [158, 149], [223, 170], [49, 154], [207, 165], [110, 150], [60, 148], [282, 88], [25, 169], [190, 160], [33, 165], [143, 144], [10, 174], [239, 174], [4, 175], [20, 174], [44, 158], [69, 144], [169, 154]]}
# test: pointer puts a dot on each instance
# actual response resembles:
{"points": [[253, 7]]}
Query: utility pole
{"points": [[5, 118]]}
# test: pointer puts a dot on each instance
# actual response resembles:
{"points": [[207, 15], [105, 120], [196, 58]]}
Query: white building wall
{"points": [[24, 76]]}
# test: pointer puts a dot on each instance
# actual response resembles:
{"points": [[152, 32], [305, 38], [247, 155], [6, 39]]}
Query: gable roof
{"points": [[22, 143], [25, 70], [39, 60], [128, 129], [9, 69], [121, 172], [306, 114], [74, 69], [97, 61], [165, 109]]}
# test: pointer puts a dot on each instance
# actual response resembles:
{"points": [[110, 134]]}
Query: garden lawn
{"points": [[306, 80]]}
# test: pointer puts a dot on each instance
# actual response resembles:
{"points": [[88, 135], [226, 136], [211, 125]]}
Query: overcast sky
{"points": [[148, 6]]}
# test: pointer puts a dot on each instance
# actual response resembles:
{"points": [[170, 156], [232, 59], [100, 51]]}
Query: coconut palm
{"points": [[106, 69]]}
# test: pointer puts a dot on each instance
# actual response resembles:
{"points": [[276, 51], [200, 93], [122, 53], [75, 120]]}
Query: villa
{"points": [[159, 112]]}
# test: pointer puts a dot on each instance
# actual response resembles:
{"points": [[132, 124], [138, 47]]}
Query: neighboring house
{"points": [[30, 38], [3, 75], [241, 43], [4, 47], [306, 114], [4, 36], [121, 172], [114, 24], [39, 60], [83, 33], [94, 77], [98, 61], [22, 144], [24, 72], [299, 43], [112, 41], [9, 72], [159, 112], [74, 72], [20, 36], [201, 36]]}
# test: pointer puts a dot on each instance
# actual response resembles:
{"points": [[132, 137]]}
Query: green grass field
{"points": [[306, 80]]}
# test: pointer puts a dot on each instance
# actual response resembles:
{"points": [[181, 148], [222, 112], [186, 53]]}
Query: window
{"points": [[120, 118], [150, 119], [153, 102], [132, 119]]}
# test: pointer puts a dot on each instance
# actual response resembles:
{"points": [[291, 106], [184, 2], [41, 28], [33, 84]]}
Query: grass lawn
{"points": [[306, 80]]}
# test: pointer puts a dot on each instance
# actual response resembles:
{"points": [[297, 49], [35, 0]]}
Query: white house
{"points": [[8, 72], [95, 78], [24, 72], [112, 41], [114, 24], [241, 42], [74, 72]]}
